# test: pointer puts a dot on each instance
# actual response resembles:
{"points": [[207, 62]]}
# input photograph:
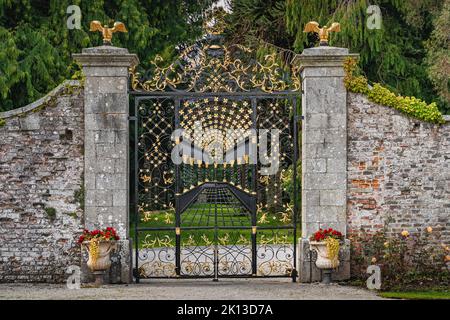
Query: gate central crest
{"points": [[212, 66]]}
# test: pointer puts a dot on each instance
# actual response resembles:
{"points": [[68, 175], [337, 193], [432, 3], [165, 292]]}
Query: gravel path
{"points": [[225, 289]]}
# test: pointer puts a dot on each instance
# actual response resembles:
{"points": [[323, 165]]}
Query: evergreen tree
{"points": [[394, 55], [36, 45], [438, 54]]}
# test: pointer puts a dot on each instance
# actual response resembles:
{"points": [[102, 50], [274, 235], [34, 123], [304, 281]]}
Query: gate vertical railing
{"points": [[254, 191], [177, 205], [294, 177], [135, 198]]}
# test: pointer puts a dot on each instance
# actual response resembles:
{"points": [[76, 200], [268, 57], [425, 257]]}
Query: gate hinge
{"points": [[132, 118]]}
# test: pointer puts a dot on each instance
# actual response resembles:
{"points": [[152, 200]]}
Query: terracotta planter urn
{"points": [[99, 257], [323, 262]]}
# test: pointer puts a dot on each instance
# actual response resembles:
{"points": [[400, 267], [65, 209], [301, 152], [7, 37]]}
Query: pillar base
{"points": [[308, 272]]}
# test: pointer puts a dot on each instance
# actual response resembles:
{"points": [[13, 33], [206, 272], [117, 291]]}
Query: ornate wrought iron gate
{"points": [[203, 206]]}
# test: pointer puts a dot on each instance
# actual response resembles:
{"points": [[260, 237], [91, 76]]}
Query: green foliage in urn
{"points": [[417, 108]]}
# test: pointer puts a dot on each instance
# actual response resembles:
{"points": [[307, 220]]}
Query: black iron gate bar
{"points": [[177, 97]]}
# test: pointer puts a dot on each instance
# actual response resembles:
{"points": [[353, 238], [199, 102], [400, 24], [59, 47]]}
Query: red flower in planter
{"points": [[107, 234], [322, 234]]}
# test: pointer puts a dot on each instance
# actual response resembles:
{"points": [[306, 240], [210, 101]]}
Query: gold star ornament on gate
{"points": [[313, 26], [106, 31]]}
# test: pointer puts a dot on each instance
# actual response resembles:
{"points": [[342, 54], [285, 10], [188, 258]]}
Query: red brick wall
{"points": [[398, 171]]}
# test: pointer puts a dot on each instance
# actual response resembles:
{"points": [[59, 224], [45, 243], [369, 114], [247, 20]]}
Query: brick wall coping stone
{"points": [[39, 102]]}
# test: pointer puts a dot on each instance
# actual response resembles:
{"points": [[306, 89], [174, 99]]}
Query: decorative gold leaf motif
{"points": [[224, 240], [168, 177], [264, 180], [206, 240], [213, 68], [276, 239], [157, 269], [189, 242], [243, 240], [287, 214], [275, 267], [284, 176], [263, 219], [168, 218], [158, 242]]}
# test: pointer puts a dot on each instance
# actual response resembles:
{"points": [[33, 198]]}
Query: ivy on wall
{"points": [[411, 106]]}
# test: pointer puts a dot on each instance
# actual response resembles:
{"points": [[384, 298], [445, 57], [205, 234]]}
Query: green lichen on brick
{"points": [[2, 122], [411, 106], [79, 194], [72, 214], [51, 212]]}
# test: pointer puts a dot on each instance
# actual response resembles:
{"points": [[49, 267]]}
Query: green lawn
{"points": [[203, 215], [416, 295]]}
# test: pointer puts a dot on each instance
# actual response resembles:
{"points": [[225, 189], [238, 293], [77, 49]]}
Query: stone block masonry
{"points": [[106, 158], [41, 170], [324, 152], [398, 171]]}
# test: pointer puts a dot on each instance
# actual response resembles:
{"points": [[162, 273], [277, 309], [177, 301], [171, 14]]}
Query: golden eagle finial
{"points": [[313, 26], [107, 32]]}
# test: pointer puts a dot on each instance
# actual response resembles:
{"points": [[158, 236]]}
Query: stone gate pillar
{"points": [[324, 152], [106, 148]]}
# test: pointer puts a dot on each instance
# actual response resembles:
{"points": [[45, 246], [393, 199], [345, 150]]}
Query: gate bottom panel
{"points": [[223, 253], [156, 254]]}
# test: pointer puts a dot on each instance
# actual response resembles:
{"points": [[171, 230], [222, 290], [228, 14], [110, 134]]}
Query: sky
{"points": [[223, 3]]}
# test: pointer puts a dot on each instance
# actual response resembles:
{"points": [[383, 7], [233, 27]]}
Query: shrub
{"points": [[412, 106], [407, 261]]}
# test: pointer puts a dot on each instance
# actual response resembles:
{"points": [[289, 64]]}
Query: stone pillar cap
{"points": [[325, 51], [323, 56], [106, 56]]}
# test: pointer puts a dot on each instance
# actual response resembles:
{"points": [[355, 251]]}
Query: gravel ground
{"points": [[225, 289]]}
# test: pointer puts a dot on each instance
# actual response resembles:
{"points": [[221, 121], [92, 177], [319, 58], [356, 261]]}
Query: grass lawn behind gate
{"points": [[202, 216]]}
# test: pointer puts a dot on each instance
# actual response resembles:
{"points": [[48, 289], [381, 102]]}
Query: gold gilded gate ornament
{"points": [[106, 31], [216, 74], [323, 32]]}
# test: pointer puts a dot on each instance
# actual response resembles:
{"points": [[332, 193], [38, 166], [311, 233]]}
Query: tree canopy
{"points": [[406, 55], [410, 54], [36, 45]]}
